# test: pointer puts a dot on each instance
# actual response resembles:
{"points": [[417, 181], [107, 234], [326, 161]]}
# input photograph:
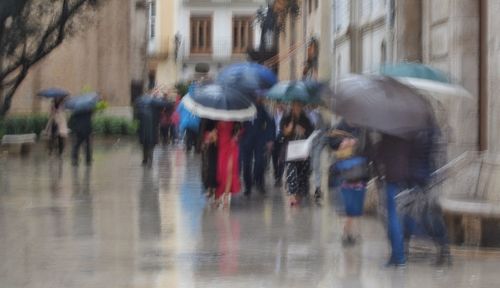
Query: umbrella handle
{"points": [[337, 132]]}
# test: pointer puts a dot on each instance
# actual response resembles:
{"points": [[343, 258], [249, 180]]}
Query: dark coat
{"points": [[149, 120], [302, 121], [81, 123], [259, 131]]}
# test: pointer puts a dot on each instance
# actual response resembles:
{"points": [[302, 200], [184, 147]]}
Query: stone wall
{"points": [[98, 58], [450, 42]]}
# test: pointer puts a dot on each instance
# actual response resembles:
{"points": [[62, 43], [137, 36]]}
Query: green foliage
{"points": [[182, 88], [101, 106], [101, 125], [23, 124], [109, 125]]}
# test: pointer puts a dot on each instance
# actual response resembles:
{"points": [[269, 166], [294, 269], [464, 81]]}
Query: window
{"points": [[152, 19], [383, 52], [310, 8], [201, 35], [242, 34], [341, 14]]}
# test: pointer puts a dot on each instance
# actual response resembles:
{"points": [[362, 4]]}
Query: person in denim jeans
{"points": [[407, 164]]}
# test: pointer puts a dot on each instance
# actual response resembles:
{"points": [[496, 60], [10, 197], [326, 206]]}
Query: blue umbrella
{"points": [[414, 70], [53, 93], [83, 103], [216, 102], [247, 77], [187, 120], [302, 91], [150, 101]]}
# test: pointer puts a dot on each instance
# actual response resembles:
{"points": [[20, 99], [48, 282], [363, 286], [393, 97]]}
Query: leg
{"points": [[275, 157], [259, 167], [145, 154], [88, 152], [77, 141], [246, 155], [395, 228], [60, 144]]}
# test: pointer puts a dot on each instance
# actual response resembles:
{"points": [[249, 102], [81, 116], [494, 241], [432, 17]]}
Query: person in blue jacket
{"points": [[255, 144]]}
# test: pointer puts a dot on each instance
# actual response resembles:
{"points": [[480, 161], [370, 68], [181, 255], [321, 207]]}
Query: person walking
{"points": [[57, 128], [277, 151], [148, 117], [319, 144], [209, 156], [297, 126], [256, 143], [81, 127], [352, 146], [228, 179]]}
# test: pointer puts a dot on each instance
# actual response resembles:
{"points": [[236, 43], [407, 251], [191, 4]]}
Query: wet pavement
{"points": [[117, 224]]}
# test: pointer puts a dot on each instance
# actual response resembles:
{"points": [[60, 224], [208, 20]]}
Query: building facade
{"points": [[360, 38], [305, 40], [163, 42], [215, 33], [109, 57]]}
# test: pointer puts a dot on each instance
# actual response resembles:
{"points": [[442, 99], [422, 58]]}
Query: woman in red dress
{"points": [[228, 178]]}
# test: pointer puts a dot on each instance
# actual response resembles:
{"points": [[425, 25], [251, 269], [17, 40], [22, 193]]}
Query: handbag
{"points": [[352, 169]]}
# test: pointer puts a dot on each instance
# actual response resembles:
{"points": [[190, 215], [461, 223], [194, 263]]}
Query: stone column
{"points": [[407, 31]]}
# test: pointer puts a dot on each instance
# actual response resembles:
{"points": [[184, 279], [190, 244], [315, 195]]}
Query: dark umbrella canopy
{"points": [[218, 102], [247, 77], [301, 91], [53, 93], [414, 70], [147, 101], [382, 104], [82, 103]]}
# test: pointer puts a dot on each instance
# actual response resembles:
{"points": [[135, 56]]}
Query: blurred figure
{"points": [[57, 128], [278, 157], [81, 127], [351, 163], [256, 143], [408, 164], [167, 128], [297, 126], [228, 179], [148, 117], [209, 157], [320, 142]]}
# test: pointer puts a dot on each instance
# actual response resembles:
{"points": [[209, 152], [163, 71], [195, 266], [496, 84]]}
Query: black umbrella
{"points": [[382, 104], [53, 93], [218, 102], [82, 103]]}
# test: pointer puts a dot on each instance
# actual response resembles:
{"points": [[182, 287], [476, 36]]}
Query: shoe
{"points": [[261, 189], [277, 183], [396, 264], [317, 194], [294, 200], [247, 193], [444, 258], [348, 241]]}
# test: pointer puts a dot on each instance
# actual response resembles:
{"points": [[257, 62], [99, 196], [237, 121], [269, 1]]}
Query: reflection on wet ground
{"points": [[119, 225]]}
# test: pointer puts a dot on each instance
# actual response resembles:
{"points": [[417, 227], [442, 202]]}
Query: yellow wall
{"points": [[166, 67]]}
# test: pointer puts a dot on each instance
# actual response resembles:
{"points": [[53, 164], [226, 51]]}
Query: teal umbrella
{"points": [[414, 70], [289, 91]]}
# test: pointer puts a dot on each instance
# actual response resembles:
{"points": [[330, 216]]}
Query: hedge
{"points": [[102, 125]]}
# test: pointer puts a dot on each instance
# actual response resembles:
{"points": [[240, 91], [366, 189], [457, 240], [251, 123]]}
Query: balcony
{"points": [[255, 3], [222, 51]]}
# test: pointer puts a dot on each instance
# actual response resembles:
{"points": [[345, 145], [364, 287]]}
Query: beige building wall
{"points": [[309, 23], [360, 40], [98, 58], [450, 42], [161, 50], [492, 89]]}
